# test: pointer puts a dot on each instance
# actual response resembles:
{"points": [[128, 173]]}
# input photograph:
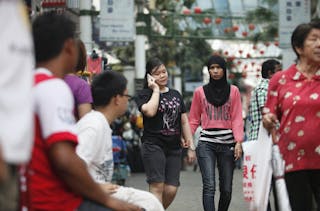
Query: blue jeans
{"points": [[208, 154]]}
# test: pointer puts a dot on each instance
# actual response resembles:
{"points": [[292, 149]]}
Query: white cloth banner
{"points": [[257, 171]]}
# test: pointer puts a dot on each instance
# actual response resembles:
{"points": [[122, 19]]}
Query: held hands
{"points": [[237, 151], [191, 150], [191, 156]]}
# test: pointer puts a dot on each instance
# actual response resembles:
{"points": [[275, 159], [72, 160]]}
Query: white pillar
{"points": [[288, 58], [178, 83], [86, 25], [140, 56]]}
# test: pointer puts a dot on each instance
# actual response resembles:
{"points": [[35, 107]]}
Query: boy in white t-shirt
{"points": [[110, 99]]}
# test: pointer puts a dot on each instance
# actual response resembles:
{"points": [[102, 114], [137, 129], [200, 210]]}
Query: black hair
{"points": [[268, 65], [300, 34], [50, 31], [151, 64], [105, 86], [82, 56]]}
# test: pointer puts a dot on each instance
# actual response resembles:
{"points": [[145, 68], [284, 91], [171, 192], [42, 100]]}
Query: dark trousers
{"points": [[303, 187]]}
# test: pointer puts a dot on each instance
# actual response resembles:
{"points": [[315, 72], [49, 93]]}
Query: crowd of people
{"points": [[63, 140]]}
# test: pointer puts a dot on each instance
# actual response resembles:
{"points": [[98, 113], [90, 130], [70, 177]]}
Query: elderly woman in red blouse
{"points": [[294, 101]]}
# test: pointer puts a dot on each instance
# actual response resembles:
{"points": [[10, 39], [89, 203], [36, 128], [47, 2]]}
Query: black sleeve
{"points": [[143, 97]]}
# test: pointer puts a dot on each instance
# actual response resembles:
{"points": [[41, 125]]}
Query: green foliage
{"points": [[188, 3], [260, 15], [125, 54], [188, 54], [270, 2], [267, 19]]}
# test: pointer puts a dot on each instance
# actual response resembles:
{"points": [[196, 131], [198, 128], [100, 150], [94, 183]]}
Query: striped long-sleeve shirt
{"points": [[227, 116]]}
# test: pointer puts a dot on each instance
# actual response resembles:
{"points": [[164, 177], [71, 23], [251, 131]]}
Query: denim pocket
{"points": [[201, 149]]}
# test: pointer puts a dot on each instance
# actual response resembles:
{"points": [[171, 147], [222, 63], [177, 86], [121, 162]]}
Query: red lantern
{"points": [[239, 62], [186, 12], [252, 63], [230, 59], [248, 55], [240, 51], [251, 27], [232, 76], [254, 47], [197, 10], [227, 30], [235, 28], [276, 43], [258, 76], [261, 52], [244, 74], [207, 20], [218, 20], [226, 53], [267, 44], [244, 33]]}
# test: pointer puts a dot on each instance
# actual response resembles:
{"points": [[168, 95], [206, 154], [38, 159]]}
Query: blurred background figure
{"points": [[16, 102], [259, 96], [257, 101], [80, 88], [121, 169]]}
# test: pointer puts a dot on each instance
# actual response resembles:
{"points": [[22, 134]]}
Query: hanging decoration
{"points": [[207, 20], [251, 26], [197, 10], [218, 21]]}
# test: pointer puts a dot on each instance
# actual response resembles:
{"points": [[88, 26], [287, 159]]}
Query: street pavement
{"points": [[189, 196]]}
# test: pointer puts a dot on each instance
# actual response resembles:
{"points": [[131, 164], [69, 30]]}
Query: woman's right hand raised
{"points": [[152, 83]]}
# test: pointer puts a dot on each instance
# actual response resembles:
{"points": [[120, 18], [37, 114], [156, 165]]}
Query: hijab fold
{"points": [[217, 92]]}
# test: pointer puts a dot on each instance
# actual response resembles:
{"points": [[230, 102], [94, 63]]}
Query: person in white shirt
{"points": [[16, 117], [110, 101]]}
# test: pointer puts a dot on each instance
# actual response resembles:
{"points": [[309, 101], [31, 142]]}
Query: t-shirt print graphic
{"points": [[170, 110]]}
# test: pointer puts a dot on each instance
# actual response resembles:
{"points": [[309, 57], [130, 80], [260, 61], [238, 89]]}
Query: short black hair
{"points": [[106, 85], [151, 64], [268, 65], [300, 34], [50, 31]]}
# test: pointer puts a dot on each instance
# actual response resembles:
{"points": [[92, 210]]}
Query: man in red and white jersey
{"points": [[56, 178]]}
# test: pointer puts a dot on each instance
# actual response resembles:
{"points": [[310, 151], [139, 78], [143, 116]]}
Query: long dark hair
{"points": [[82, 56], [151, 64]]}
